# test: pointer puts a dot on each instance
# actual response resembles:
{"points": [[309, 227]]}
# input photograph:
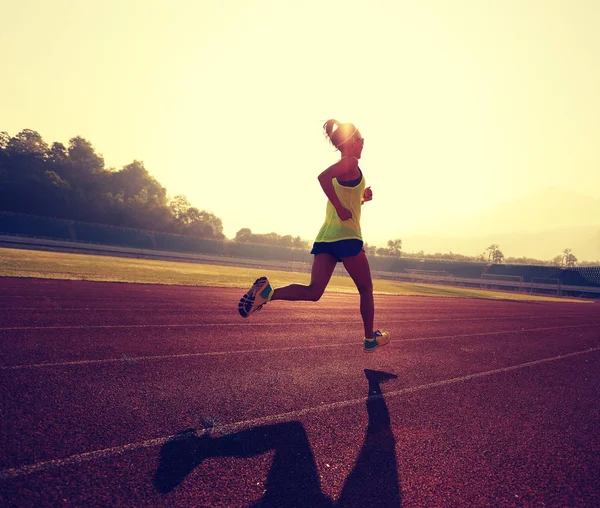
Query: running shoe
{"points": [[379, 339], [256, 297]]}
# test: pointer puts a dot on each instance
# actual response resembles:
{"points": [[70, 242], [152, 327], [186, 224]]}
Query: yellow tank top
{"points": [[333, 228]]}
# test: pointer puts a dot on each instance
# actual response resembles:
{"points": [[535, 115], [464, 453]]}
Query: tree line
{"points": [[567, 259], [72, 182], [492, 254], [245, 235]]}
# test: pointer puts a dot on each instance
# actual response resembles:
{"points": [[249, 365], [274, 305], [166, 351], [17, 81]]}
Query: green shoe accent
{"points": [[370, 345], [379, 339], [266, 292]]}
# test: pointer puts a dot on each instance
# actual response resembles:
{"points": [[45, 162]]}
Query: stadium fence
{"points": [[76, 236]]}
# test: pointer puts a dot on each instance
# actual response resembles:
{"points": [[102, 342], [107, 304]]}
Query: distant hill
{"points": [[542, 245], [539, 225], [548, 209]]}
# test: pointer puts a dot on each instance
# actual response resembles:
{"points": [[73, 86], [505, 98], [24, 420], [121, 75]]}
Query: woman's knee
{"points": [[365, 288], [315, 292]]}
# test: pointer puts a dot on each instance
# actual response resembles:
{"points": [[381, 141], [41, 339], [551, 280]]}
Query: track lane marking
{"points": [[298, 323], [10, 473], [120, 309], [134, 359]]}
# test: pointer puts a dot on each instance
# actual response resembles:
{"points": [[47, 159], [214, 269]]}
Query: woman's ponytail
{"points": [[328, 128], [341, 134]]}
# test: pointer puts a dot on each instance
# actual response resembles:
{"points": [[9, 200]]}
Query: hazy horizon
{"points": [[464, 106]]}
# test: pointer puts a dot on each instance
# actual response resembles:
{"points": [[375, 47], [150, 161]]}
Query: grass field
{"points": [[58, 265]]}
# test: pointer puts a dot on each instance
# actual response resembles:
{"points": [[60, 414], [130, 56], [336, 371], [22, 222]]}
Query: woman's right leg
{"points": [[322, 268], [358, 268]]}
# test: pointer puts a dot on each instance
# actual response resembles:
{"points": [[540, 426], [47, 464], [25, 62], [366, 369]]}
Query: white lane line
{"points": [[134, 359], [287, 323], [151, 309], [102, 309], [6, 474]]}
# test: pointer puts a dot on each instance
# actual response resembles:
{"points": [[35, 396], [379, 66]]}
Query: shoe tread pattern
{"points": [[246, 302]]}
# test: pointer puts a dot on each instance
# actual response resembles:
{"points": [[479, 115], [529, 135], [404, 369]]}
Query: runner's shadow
{"points": [[374, 479], [293, 478]]}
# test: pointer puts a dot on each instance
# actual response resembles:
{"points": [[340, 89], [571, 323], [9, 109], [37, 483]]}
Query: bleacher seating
{"points": [[591, 274], [580, 276], [458, 269]]}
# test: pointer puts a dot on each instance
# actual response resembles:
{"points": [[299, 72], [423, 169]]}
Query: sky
{"points": [[463, 104]]}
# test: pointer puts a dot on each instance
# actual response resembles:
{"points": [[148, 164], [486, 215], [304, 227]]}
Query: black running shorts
{"points": [[340, 249]]}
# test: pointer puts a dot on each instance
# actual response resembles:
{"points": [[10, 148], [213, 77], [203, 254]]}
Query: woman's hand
{"points": [[367, 195], [343, 213]]}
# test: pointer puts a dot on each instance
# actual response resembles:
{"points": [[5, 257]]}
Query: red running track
{"points": [[142, 395]]}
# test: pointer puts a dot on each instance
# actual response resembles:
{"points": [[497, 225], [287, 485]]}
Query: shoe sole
{"points": [[247, 301], [377, 346]]}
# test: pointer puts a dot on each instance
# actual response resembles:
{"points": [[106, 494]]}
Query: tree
{"points": [[134, 178], [179, 205], [244, 235], [495, 254], [371, 250], [490, 250], [4, 139], [28, 142], [569, 259], [298, 243], [189, 220], [56, 181], [57, 155], [25, 186], [202, 224], [395, 247], [82, 155]]}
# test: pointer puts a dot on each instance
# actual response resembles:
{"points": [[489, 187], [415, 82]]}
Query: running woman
{"points": [[339, 240]]}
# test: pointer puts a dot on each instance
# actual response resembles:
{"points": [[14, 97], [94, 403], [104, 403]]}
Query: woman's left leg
{"points": [[323, 266], [358, 268], [261, 292]]}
